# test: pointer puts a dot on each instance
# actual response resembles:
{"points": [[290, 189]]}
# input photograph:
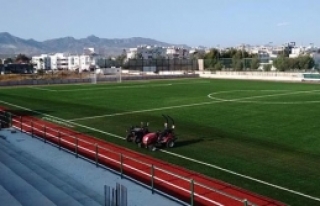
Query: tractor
{"points": [[135, 133], [159, 139]]}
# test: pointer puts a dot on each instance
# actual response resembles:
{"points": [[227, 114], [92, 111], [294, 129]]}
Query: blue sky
{"points": [[203, 22]]}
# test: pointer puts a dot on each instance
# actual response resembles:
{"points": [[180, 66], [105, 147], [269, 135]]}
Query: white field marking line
{"points": [[57, 121], [141, 111], [114, 88], [181, 156], [190, 83], [259, 96], [76, 124], [118, 87], [241, 175], [39, 88], [218, 100]]}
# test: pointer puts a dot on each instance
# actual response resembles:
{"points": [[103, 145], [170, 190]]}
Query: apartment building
{"points": [[65, 61], [146, 52], [42, 61], [154, 52]]}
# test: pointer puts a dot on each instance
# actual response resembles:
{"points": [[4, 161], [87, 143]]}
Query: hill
{"points": [[10, 44]]}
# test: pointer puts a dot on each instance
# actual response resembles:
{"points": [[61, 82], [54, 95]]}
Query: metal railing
{"points": [[119, 161]]}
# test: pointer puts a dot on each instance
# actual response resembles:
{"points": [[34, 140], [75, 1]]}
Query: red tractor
{"points": [[135, 133], [158, 139]]}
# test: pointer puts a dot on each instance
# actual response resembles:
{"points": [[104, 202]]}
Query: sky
{"points": [[210, 23]]}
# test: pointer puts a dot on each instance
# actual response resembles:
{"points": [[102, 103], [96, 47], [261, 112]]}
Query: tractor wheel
{"points": [[152, 148], [137, 140], [170, 144], [129, 138]]}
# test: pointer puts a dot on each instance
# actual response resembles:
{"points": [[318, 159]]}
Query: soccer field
{"points": [[261, 136]]}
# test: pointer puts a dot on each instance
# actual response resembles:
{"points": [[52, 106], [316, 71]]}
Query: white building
{"points": [[316, 58], [64, 61], [59, 61], [198, 50], [154, 52], [41, 62], [177, 52], [146, 52]]}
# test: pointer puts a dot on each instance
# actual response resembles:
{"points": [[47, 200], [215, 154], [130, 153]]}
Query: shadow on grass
{"points": [[183, 143]]}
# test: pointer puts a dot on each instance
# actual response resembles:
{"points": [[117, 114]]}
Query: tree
{"points": [[8, 61], [281, 63], [237, 64], [211, 58], [305, 62], [22, 58], [267, 67], [218, 66], [212, 54], [284, 52], [255, 63]]}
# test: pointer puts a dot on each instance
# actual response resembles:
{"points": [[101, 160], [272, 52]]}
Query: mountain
{"points": [[10, 44]]}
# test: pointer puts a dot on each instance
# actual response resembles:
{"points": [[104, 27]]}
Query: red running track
{"points": [[168, 178]]}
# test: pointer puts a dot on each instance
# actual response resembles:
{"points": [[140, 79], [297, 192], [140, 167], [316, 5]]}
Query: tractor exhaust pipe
{"points": [[171, 121], [167, 121]]}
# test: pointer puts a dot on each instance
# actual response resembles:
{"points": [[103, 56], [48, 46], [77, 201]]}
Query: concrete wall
{"points": [[259, 75]]}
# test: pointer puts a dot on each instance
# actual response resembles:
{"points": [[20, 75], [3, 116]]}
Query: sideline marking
{"points": [[241, 175], [180, 156]]}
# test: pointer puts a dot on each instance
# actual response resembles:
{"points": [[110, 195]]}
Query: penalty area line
{"points": [[146, 110]]}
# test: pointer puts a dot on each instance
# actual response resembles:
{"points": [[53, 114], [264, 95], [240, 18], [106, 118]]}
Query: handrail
{"points": [[32, 126]]}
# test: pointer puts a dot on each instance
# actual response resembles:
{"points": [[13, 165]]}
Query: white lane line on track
{"points": [[178, 155]]}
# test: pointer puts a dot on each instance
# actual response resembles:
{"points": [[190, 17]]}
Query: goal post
{"points": [[119, 74], [113, 72], [93, 77]]}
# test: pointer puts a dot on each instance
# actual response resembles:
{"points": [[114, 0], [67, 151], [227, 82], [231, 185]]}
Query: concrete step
{"points": [[49, 181], [7, 199], [19, 189]]}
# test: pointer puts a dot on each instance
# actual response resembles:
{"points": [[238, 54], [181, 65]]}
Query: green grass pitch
{"points": [[265, 130]]}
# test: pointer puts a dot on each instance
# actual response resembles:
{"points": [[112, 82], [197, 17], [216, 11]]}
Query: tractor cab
{"points": [[160, 138]]}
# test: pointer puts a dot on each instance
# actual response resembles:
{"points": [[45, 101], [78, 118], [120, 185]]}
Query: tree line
{"points": [[19, 59], [240, 60]]}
